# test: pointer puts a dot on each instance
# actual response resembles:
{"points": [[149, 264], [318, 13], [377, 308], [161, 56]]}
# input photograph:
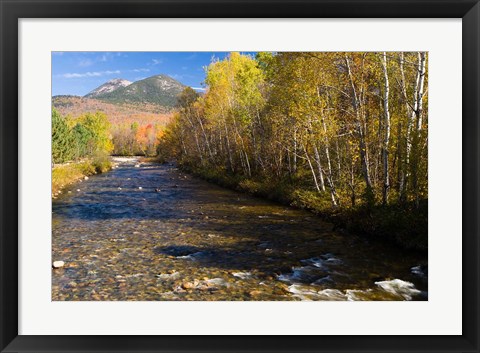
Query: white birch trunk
{"points": [[386, 141]]}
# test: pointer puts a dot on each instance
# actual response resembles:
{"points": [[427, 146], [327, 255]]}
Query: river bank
{"points": [[406, 227], [69, 173]]}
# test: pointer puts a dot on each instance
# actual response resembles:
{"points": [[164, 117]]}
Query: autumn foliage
{"points": [[345, 129], [135, 139], [134, 129]]}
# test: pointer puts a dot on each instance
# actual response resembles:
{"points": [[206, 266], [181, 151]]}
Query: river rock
{"points": [[217, 282], [58, 264], [242, 275], [86, 177], [168, 275], [188, 285]]}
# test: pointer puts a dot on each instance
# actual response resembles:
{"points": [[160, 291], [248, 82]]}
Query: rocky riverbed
{"points": [[150, 232]]}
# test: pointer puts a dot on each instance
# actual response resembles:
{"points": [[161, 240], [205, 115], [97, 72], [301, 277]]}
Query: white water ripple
{"points": [[395, 289], [398, 287]]}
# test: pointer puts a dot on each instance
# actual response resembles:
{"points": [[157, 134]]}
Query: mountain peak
{"points": [[108, 87], [163, 76], [161, 90]]}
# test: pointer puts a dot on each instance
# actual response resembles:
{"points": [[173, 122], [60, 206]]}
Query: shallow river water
{"points": [[121, 239]]}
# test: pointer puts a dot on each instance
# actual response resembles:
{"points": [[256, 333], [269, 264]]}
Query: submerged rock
{"points": [[420, 270]]}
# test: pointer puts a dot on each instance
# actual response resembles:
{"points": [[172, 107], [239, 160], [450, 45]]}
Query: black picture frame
{"points": [[11, 11]]}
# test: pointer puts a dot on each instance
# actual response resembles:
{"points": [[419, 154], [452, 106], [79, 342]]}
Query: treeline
{"points": [[82, 137], [92, 135], [350, 126], [134, 139]]}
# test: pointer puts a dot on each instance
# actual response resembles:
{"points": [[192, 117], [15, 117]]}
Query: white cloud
{"points": [[199, 89], [156, 61], [85, 62], [89, 74], [108, 56], [140, 70]]}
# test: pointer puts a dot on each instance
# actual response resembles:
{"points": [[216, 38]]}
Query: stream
{"points": [[147, 231]]}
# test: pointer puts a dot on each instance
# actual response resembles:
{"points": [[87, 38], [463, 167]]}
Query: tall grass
{"points": [[66, 174]]}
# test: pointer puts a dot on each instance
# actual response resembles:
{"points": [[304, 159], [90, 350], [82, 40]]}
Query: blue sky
{"points": [[77, 73]]}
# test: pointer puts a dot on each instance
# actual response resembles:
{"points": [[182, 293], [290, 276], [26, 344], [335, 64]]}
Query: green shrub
{"points": [[101, 162], [250, 186], [86, 168], [311, 200]]}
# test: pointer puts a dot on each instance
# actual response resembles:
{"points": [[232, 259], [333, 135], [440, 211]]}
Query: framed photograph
{"points": [[237, 176]]}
